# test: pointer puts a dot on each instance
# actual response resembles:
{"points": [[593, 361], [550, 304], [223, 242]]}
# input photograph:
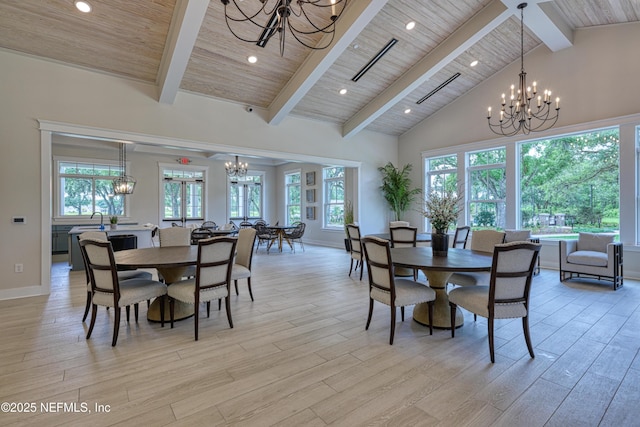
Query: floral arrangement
{"points": [[442, 209], [113, 219]]}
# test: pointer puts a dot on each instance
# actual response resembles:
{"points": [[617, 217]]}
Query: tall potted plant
{"points": [[396, 188]]}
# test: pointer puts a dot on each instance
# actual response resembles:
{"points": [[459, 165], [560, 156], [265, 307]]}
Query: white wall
{"points": [[596, 80], [34, 89]]}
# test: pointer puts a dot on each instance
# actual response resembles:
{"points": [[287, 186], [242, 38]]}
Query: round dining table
{"points": [[438, 269], [171, 262]]}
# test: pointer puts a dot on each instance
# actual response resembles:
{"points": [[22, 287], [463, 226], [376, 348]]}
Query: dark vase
{"points": [[440, 243]]}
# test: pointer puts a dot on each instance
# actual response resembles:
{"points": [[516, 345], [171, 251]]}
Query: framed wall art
{"points": [[311, 178], [311, 196], [311, 212]]}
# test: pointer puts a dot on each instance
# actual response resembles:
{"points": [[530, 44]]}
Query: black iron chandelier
{"points": [[237, 169], [525, 111], [300, 17], [124, 184]]}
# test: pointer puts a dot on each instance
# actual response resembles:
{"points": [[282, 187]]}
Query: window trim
{"points": [[324, 196], [262, 175], [205, 174], [286, 194], [56, 216]]}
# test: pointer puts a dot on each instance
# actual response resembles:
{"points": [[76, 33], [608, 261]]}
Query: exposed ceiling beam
{"points": [[463, 38], [545, 21], [185, 26], [355, 17], [547, 24]]}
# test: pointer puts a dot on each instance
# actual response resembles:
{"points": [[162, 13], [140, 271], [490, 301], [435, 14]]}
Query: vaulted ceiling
{"points": [[185, 45]]}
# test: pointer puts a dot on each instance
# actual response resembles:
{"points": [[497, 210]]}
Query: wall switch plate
{"points": [[19, 220]]}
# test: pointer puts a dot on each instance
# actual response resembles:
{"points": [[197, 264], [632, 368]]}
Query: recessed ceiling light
{"points": [[252, 59], [407, 111], [410, 25], [83, 6], [474, 63], [343, 91]]}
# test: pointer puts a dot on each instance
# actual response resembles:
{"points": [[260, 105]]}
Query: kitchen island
{"points": [[142, 233]]}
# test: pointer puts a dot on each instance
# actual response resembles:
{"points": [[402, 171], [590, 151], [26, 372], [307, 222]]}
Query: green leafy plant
{"points": [[396, 188], [113, 219], [442, 209]]}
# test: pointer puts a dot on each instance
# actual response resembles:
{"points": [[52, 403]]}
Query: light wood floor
{"points": [[299, 356]]}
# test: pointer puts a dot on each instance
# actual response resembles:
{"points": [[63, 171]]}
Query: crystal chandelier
{"points": [[237, 169], [526, 111], [124, 184], [302, 18]]}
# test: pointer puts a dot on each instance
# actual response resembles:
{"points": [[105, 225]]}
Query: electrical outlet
{"points": [[19, 268]]}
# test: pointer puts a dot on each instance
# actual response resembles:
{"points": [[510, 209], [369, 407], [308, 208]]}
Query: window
{"points": [[333, 178], [571, 183], [85, 186], [245, 198], [293, 199], [183, 194], [441, 176], [487, 188]]}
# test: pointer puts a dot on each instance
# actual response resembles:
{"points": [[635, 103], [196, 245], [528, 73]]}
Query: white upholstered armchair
{"points": [[592, 255]]}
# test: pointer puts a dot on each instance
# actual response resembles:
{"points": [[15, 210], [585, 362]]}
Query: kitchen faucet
{"points": [[101, 219]]}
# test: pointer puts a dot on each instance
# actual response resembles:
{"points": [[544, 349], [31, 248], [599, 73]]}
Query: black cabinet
{"points": [[60, 238]]}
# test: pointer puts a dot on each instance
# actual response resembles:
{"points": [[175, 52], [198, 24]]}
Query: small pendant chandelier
{"points": [[124, 184], [524, 112], [237, 169]]}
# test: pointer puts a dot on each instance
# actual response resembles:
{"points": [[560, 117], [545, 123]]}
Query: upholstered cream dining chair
{"points": [[355, 248], [212, 281], [122, 274], [242, 265], [109, 291], [384, 288], [507, 294], [404, 237]]}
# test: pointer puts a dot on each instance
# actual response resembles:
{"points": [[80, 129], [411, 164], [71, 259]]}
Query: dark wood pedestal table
{"points": [[438, 270], [171, 262]]}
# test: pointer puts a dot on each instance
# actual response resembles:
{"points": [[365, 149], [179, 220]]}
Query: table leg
{"points": [[181, 310], [441, 310]]}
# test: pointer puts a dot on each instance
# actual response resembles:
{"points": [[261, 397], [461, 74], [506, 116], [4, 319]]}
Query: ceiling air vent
{"points": [[373, 60], [433, 92]]}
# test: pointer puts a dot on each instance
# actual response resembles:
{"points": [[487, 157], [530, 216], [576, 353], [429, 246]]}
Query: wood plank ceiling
{"points": [[155, 41]]}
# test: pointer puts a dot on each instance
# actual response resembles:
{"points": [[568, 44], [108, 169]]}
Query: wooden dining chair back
{"points": [[404, 237], [122, 274], [107, 289], [212, 281], [245, 224], [507, 295], [209, 224], [242, 265], [385, 288], [355, 248], [461, 236]]}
